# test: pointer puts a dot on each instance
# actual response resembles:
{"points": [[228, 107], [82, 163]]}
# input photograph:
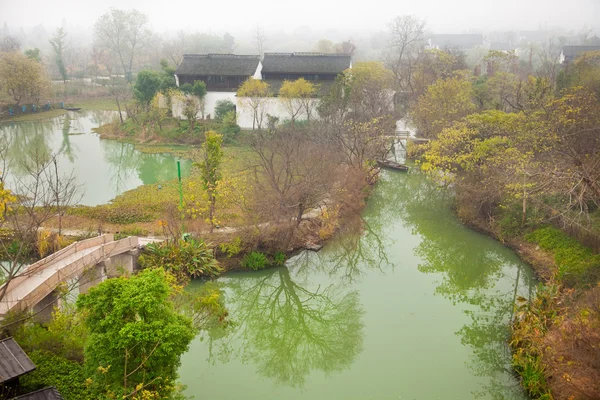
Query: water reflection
{"points": [[437, 298], [475, 271], [288, 329], [104, 168]]}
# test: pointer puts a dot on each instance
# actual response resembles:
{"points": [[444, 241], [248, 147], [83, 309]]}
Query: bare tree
{"points": [[40, 194], [548, 56], [10, 43], [295, 172], [406, 43], [173, 48], [99, 58], [259, 41], [125, 33], [66, 192]]}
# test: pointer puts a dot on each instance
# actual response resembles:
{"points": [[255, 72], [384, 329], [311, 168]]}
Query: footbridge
{"points": [[77, 268]]}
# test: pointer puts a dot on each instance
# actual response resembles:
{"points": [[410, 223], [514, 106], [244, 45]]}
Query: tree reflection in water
{"points": [[289, 330], [475, 272]]}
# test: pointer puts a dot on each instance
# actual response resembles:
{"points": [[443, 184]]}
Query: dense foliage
{"points": [[184, 259], [136, 335], [522, 154]]}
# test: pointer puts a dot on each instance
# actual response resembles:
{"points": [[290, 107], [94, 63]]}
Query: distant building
{"points": [[570, 53], [502, 46], [220, 72], [225, 73], [317, 68], [459, 41]]}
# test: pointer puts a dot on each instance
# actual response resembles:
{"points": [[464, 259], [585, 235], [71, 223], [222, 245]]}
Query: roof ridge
{"points": [[309, 53], [221, 55]]}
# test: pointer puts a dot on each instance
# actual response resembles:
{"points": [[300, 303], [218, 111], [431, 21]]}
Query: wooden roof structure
{"points": [[49, 393], [305, 63], [13, 361], [218, 64], [573, 51]]}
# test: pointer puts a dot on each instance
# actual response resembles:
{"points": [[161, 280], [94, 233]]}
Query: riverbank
{"points": [[555, 334], [97, 104], [154, 127]]}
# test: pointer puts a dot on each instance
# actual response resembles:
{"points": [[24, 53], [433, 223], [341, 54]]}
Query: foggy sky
{"points": [[442, 16]]}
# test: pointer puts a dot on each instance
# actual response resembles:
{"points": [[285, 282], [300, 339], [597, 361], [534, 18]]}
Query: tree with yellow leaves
{"points": [[254, 94], [298, 97], [446, 101], [23, 78]]}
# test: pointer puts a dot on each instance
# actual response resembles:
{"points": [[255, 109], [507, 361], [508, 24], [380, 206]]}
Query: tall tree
{"points": [[445, 102], [407, 41], [259, 41], [59, 45], [125, 33], [23, 78], [136, 335], [210, 170]]}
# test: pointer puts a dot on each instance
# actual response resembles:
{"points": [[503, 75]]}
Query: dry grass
{"points": [[572, 350]]}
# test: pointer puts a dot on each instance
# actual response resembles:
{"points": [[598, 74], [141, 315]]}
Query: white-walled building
{"points": [[224, 73]]}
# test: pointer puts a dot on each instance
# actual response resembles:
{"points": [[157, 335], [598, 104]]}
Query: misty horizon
{"points": [[323, 16]]}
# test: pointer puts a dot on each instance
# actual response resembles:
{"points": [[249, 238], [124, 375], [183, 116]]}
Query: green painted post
{"points": [[180, 196], [180, 187]]}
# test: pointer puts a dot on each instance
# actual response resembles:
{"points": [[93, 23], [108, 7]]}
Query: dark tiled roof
{"points": [[323, 86], [49, 393], [502, 46], [13, 360], [574, 51], [465, 41], [218, 64], [305, 63]]}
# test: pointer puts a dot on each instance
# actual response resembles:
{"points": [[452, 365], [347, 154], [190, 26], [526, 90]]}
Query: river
{"points": [[103, 168], [415, 306]]}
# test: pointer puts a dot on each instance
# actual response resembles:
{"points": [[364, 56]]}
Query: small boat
{"points": [[392, 165], [72, 108]]}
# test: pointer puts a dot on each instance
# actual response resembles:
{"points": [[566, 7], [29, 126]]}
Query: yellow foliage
{"points": [[25, 79], [254, 88], [445, 102], [6, 197], [50, 242]]}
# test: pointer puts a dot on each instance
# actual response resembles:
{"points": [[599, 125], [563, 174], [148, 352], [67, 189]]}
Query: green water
{"points": [[103, 168], [414, 307]]}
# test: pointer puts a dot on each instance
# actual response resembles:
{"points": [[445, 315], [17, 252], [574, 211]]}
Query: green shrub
{"points": [[255, 261], [222, 108], [191, 259], [52, 370], [64, 335], [576, 263], [279, 259]]}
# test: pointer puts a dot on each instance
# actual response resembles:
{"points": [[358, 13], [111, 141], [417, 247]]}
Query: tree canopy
{"points": [[136, 335], [23, 78], [147, 85]]}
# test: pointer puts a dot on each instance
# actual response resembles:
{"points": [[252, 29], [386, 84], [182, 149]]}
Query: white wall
{"points": [[210, 102], [273, 106]]}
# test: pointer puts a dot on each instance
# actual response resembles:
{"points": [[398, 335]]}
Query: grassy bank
{"points": [[556, 334], [85, 104], [154, 127]]}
